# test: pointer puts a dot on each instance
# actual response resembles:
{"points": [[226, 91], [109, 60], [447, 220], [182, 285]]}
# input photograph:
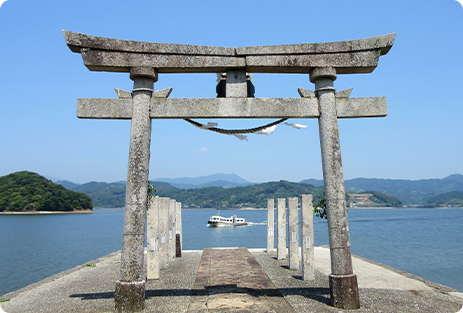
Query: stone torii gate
{"points": [[145, 60]]}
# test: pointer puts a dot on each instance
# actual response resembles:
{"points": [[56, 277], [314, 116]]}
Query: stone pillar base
{"points": [[344, 292], [129, 296]]}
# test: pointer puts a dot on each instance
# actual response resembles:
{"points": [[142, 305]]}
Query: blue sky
{"points": [[41, 79]]}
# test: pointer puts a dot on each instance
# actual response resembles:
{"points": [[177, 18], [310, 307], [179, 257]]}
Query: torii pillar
{"points": [[343, 282], [130, 289]]}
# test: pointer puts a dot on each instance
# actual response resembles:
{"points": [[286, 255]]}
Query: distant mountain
{"points": [[67, 184], [104, 195], [112, 195], [253, 195], [313, 181], [218, 180], [409, 191], [26, 191]]}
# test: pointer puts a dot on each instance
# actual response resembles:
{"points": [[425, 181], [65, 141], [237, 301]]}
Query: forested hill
{"points": [[409, 191], [26, 191], [454, 198], [246, 196], [112, 195]]}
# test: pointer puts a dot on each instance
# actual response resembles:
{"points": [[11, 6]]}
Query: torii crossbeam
{"points": [[145, 60]]}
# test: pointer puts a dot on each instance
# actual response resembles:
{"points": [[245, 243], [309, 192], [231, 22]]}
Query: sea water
{"points": [[424, 242]]}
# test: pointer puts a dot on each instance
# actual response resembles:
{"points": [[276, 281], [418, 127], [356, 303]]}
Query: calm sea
{"points": [[424, 242]]}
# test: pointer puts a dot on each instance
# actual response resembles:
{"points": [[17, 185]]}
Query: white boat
{"points": [[217, 220]]}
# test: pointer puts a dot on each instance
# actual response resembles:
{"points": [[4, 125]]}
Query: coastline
{"points": [[47, 212]]}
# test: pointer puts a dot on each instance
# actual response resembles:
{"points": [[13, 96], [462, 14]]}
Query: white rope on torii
{"points": [[238, 133]]}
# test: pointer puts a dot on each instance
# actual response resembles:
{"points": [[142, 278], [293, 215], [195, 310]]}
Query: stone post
{"points": [[236, 84], [281, 226], [130, 289], [308, 270], [343, 283], [270, 225], [163, 233], [178, 227], [293, 229], [152, 236], [171, 233]]}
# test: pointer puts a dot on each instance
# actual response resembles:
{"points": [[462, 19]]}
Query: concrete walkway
{"points": [[233, 280]]}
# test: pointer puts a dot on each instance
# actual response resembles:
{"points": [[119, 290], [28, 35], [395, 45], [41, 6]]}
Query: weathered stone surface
{"points": [[78, 41], [163, 233], [270, 225], [115, 55], [234, 107], [122, 94], [323, 72], [306, 93], [344, 292], [163, 93], [152, 237], [236, 84], [136, 203], [343, 93], [384, 43], [293, 229], [94, 108], [129, 297], [361, 107], [171, 232], [308, 268], [338, 229], [144, 71], [137, 187], [281, 227], [345, 63], [120, 109], [115, 61]]}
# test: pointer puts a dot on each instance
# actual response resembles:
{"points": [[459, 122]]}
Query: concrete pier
{"points": [[250, 279], [293, 232], [281, 226], [270, 225]]}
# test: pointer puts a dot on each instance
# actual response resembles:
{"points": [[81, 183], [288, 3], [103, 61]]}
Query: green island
{"points": [[29, 192]]}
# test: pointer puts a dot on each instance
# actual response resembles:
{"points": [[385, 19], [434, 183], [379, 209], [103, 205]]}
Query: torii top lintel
{"points": [[116, 55]]}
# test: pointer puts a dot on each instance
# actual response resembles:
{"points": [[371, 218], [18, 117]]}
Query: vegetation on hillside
{"points": [[104, 195], [408, 191], [246, 196], [27, 191], [382, 199], [454, 198], [112, 195]]}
